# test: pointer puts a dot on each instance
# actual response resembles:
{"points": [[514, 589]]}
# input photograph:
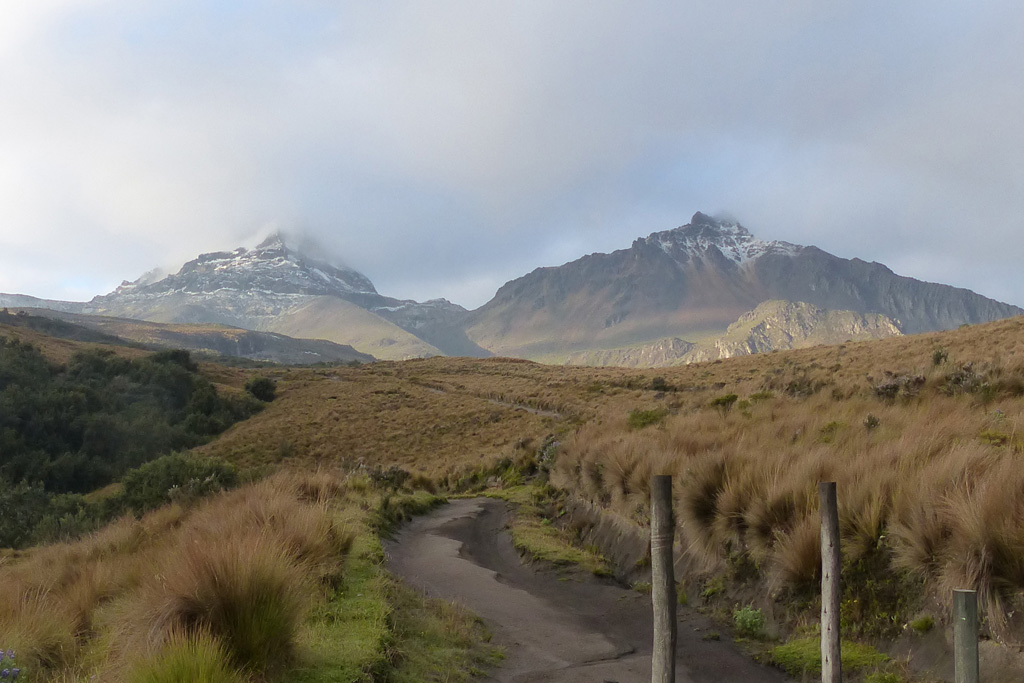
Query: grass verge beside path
{"points": [[535, 531], [372, 627]]}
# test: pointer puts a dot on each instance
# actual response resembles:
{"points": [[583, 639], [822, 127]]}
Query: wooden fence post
{"points": [[831, 654], [965, 636], [663, 582]]}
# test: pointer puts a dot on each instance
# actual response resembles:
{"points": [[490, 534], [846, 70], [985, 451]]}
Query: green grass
{"points": [[534, 534], [803, 656], [749, 622], [188, 659], [923, 624], [437, 641], [638, 419], [373, 628], [347, 637]]}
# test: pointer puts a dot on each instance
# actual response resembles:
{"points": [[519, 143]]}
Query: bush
{"points": [[262, 388], [659, 384], [638, 419], [749, 622], [724, 403], [923, 624], [179, 477]]}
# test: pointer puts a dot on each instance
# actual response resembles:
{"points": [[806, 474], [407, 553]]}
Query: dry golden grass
{"points": [[929, 478], [241, 567], [926, 468]]}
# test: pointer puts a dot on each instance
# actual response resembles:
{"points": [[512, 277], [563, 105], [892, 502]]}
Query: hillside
{"points": [[900, 423], [209, 339]]}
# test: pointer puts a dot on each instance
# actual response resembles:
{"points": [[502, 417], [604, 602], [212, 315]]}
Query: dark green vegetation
{"points": [[66, 430]]}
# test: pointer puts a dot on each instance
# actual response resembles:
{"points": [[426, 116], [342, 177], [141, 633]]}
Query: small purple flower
{"points": [[14, 673], [5, 673]]}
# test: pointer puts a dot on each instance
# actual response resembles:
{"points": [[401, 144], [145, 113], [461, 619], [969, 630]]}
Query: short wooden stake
{"points": [[831, 653], [965, 636], [663, 582]]}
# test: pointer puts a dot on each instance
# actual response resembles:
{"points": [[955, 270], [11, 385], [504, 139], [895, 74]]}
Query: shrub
{"points": [[638, 419], [923, 624], [659, 384], [906, 386], [262, 388], [179, 477], [871, 422], [724, 403], [749, 622], [939, 356]]}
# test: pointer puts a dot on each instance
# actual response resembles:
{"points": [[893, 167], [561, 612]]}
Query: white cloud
{"points": [[408, 135]]}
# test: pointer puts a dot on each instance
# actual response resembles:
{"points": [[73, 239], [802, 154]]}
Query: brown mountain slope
{"points": [[696, 280]]}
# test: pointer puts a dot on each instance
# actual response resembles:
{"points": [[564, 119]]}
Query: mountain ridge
{"points": [[688, 283]]}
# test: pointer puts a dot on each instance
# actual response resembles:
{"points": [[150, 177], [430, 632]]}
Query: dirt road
{"points": [[569, 628]]}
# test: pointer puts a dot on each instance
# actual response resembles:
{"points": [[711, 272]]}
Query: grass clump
{"points": [[802, 656], [248, 592], [187, 659], [923, 624]]}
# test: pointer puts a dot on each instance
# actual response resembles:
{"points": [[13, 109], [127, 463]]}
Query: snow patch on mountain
{"points": [[270, 268], [728, 237]]}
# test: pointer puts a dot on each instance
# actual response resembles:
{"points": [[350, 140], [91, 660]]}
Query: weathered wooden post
{"points": [[965, 636], [663, 581], [831, 655]]}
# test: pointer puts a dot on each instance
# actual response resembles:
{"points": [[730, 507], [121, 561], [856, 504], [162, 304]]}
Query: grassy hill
{"points": [[922, 433]]}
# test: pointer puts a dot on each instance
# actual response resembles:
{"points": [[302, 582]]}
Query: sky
{"points": [[442, 148]]}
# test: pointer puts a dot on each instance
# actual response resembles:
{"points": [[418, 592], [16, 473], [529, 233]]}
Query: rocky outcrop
{"points": [[772, 326]]}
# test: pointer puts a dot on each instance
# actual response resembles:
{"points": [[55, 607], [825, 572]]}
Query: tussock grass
{"points": [[188, 659], [928, 475], [241, 568]]}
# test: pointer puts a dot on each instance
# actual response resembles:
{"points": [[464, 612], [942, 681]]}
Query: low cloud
{"points": [[444, 148]]}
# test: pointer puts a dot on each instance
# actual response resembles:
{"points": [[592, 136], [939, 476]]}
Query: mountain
{"points": [[692, 283], [274, 288], [671, 296]]}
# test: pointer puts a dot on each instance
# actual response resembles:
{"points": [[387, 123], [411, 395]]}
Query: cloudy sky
{"points": [[443, 148]]}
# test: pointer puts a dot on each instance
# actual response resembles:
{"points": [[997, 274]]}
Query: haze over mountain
{"points": [[671, 297], [275, 288]]}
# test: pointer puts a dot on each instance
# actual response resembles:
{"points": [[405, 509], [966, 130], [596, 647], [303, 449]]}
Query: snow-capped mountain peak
{"points": [[704, 233], [271, 267]]}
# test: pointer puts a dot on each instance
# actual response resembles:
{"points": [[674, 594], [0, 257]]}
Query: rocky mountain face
{"points": [[772, 326], [692, 283], [274, 288]]}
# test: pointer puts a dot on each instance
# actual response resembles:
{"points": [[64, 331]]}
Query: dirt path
{"points": [[570, 628]]}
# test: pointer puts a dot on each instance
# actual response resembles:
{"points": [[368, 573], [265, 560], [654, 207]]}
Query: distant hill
{"points": [[203, 338]]}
